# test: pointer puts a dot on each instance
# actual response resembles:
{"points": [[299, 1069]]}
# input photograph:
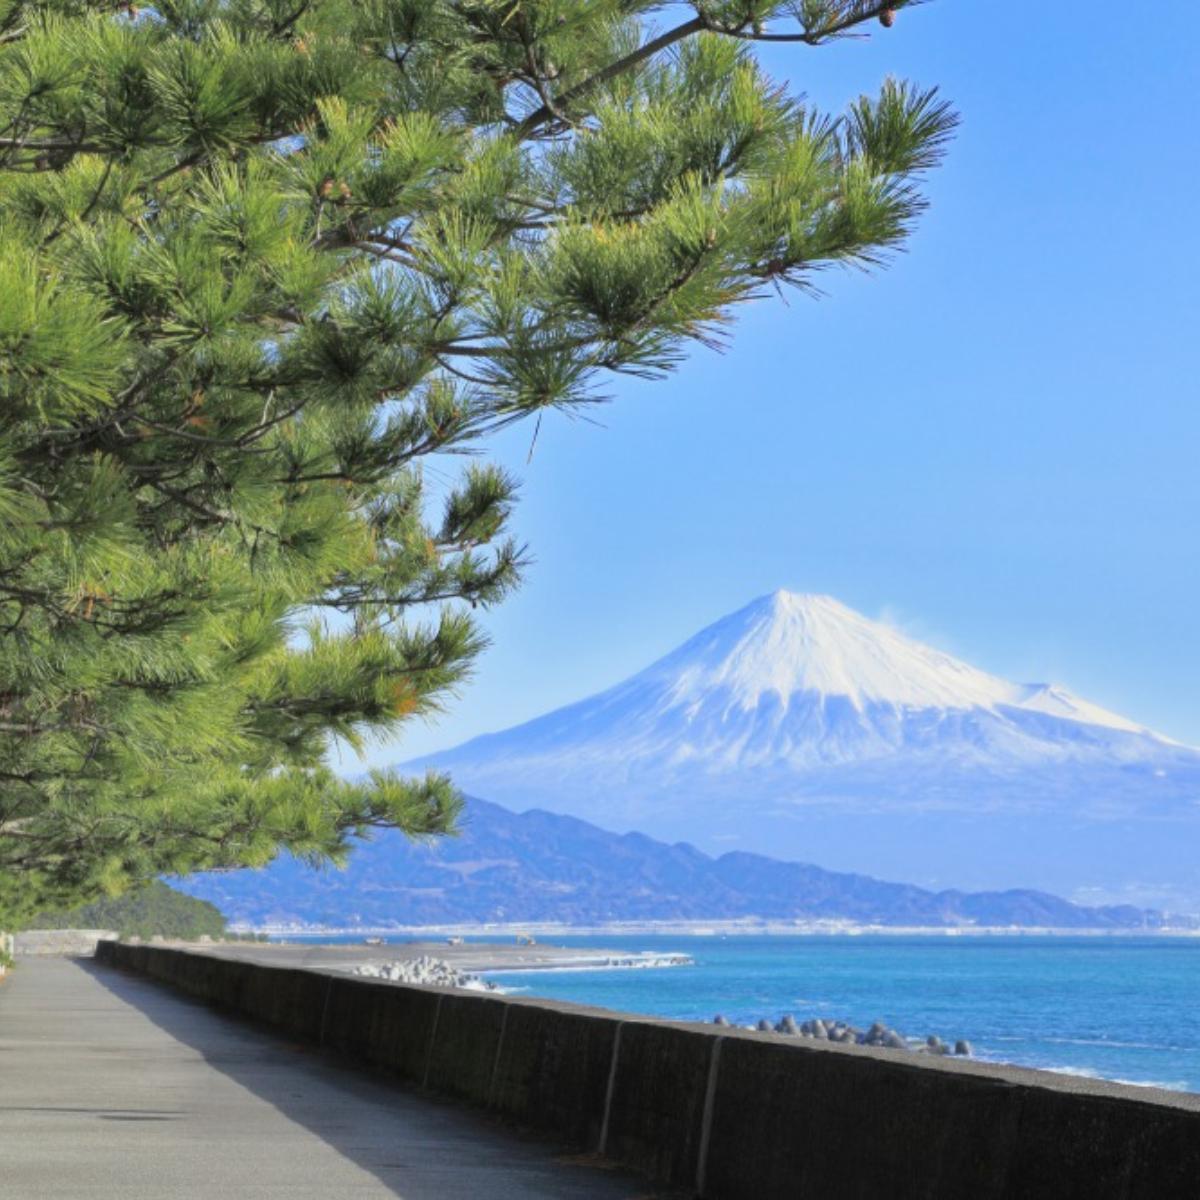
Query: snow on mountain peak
{"points": [[787, 643], [1056, 701]]}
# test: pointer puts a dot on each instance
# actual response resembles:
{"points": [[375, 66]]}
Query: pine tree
{"points": [[259, 259]]}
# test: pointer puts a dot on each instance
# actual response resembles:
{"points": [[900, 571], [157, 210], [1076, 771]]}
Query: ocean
{"points": [[1122, 1008]]}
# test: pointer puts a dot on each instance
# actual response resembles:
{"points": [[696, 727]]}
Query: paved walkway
{"points": [[113, 1088]]}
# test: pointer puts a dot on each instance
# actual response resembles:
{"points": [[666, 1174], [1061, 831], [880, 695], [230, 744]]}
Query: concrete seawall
{"points": [[71, 943], [726, 1114]]}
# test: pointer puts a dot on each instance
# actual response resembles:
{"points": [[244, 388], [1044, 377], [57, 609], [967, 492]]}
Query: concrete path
{"points": [[113, 1088]]}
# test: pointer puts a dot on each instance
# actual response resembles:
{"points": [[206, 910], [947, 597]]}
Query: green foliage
{"points": [[259, 259], [144, 912]]}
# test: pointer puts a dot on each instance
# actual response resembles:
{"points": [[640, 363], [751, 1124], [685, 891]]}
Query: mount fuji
{"points": [[798, 728]]}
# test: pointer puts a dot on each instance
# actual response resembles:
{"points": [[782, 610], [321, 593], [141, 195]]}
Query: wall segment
{"points": [[728, 1115]]}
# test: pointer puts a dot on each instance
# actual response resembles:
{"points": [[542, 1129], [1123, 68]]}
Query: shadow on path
{"points": [[420, 1148]]}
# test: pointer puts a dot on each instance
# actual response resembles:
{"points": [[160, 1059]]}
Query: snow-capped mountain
{"points": [[799, 728]]}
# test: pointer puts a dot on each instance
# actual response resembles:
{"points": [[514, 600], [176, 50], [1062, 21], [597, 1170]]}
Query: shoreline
{"points": [[475, 958], [600, 961], [735, 928]]}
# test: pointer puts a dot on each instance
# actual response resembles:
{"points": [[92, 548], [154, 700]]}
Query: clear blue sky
{"points": [[994, 442]]}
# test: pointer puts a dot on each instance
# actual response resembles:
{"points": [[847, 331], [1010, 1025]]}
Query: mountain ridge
{"points": [[542, 867]]}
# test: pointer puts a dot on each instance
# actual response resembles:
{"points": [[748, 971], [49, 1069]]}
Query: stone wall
{"points": [[66, 942], [727, 1114]]}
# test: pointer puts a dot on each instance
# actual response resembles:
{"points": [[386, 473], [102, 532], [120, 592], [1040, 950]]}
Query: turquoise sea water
{"points": [[1117, 1008]]}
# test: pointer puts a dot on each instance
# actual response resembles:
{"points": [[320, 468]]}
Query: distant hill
{"points": [[154, 909], [541, 867]]}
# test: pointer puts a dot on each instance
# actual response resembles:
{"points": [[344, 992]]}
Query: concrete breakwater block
{"points": [[424, 969], [878, 1035]]}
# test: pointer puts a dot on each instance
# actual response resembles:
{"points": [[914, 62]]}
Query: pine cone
{"points": [[887, 18]]}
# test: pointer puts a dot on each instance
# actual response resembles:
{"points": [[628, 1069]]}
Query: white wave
{"points": [[1079, 1072], [646, 962], [472, 984], [1106, 1043], [1116, 1045], [1166, 1085]]}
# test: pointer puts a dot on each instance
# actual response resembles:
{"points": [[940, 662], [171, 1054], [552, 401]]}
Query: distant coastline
{"points": [[731, 928], [509, 872]]}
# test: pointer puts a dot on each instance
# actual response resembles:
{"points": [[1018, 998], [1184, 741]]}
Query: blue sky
{"points": [[993, 443]]}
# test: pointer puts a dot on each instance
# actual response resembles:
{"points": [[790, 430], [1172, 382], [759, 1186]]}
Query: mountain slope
{"points": [[537, 866], [798, 727]]}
